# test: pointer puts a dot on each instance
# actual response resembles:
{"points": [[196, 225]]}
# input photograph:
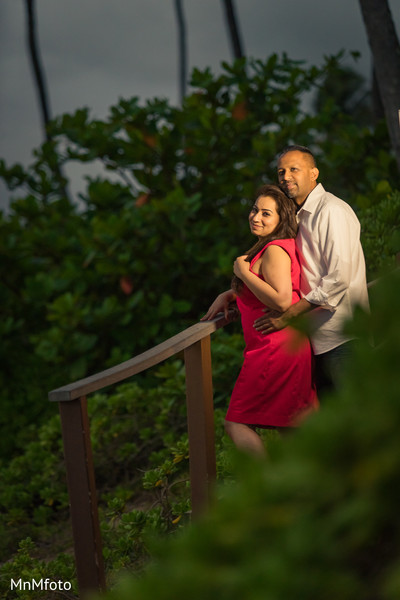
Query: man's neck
{"points": [[300, 205]]}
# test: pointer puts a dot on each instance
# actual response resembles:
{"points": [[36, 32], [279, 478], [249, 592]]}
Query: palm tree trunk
{"points": [[44, 102], [37, 68], [377, 106], [385, 50], [182, 49], [233, 28]]}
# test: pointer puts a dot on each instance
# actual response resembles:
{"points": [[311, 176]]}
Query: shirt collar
{"points": [[312, 199]]}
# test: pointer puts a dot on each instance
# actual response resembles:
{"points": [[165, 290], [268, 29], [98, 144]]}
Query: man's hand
{"points": [[271, 321], [274, 320]]}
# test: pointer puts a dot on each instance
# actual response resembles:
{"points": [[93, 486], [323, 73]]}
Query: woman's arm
{"points": [[276, 291]]}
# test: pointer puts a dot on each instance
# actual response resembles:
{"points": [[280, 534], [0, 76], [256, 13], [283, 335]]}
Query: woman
{"points": [[274, 388]]}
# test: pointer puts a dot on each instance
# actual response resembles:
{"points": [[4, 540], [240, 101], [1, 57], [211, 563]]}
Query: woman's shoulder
{"points": [[287, 244], [277, 248]]}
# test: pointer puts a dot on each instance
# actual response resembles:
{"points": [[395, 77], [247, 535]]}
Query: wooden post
{"points": [[82, 495], [200, 409]]}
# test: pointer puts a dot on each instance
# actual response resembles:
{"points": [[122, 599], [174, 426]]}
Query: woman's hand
{"points": [[241, 266], [220, 304]]}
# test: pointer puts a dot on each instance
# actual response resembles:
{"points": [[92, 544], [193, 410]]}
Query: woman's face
{"points": [[263, 217]]}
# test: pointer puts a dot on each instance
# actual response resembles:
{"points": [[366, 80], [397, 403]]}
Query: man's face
{"points": [[297, 175]]}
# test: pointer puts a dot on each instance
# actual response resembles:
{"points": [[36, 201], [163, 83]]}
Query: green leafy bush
{"points": [[140, 449], [152, 239], [88, 284], [132, 429], [26, 567], [320, 518], [380, 222]]}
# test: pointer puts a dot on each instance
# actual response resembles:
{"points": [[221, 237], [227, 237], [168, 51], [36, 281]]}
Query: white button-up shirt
{"points": [[333, 265]]}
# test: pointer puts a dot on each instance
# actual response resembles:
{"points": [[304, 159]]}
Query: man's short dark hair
{"points": [[298, 148]]}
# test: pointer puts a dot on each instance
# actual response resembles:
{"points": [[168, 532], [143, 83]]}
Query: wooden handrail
{"points": [[71, 398], [139, 363]]}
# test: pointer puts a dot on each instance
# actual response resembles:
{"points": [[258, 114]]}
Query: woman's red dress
{"points": [[275, 385]]}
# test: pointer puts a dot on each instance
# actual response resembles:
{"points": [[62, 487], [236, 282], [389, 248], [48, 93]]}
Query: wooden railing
{"points": [[195, 341]]}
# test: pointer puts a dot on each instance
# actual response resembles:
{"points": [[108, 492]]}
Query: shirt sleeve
{"points": [[338, 233]]}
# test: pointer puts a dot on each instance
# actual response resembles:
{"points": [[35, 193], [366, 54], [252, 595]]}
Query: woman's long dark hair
{"points": [[286, 228]]}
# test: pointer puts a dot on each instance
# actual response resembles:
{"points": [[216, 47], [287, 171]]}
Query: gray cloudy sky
{"points": [[96, 51]]}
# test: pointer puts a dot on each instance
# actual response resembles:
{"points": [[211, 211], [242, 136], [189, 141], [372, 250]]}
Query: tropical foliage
{"points": [[137, 258], [319, 519], [154, 234], [140, 452]]}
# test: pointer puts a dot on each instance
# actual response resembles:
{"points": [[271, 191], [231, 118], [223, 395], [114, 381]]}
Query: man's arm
{"points": [[273, 321], [338, 248]]}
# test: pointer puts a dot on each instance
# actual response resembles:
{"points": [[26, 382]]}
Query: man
{"points": [[333, 265]]}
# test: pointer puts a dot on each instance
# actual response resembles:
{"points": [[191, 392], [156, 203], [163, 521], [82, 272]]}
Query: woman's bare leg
{"points": [[245, 438]]}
